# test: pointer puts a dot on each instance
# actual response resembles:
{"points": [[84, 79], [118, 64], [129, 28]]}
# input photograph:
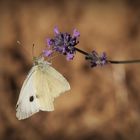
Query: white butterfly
{"points": [[41, 86]]}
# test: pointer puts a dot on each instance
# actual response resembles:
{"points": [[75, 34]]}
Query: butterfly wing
{"points": [[39, 89], [51, 84], [56, 81], [27, 103]]}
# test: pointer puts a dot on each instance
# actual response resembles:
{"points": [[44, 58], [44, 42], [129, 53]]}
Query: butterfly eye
{"points": [[31, 98]]}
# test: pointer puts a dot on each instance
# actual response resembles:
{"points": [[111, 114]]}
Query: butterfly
{"points": [[42, 85]]}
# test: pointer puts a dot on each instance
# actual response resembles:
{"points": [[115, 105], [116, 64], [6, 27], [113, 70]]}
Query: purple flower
{"points": [[96, 59], [64, 43], [76, 33], [56, 31], [47, 53], [103, 58], [49, 42], [70, 56]]}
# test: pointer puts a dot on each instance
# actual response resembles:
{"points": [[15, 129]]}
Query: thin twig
{"points": [[123, 61]]}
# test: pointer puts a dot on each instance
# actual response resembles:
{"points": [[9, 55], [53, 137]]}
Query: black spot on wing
{"points": [[31, 99]]}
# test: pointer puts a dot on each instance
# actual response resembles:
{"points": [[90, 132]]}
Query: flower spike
{"points": [[63, 43]]}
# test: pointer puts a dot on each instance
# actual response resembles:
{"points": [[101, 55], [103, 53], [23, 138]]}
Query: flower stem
{"points": [[110, 61], [81, 51], [123, 61]]}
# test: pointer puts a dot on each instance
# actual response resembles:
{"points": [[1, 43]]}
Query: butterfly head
{"points": [[39, 61]]}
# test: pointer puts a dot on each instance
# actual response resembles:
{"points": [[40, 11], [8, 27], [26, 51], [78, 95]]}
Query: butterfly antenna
{"points": [[33, 55]]}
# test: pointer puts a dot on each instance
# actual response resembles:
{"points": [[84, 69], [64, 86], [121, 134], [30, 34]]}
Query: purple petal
{"points": [[103, 56], [64, 49], [59, 49], [103, 62], [56, 31], [76, 33], [47, 53], [70, 56], [49, 42]]}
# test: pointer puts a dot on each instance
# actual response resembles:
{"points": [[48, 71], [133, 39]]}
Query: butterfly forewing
{"points": [[27, 103]]}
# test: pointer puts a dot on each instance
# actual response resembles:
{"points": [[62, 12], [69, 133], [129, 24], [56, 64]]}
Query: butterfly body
{"points": [[39, 89]]}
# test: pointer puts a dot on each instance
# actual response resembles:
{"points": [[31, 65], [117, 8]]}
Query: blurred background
{"points": [[104, 102]]}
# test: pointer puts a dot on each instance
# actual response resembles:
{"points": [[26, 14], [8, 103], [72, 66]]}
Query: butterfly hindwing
{"points": [[49, 84], [43, 93], [57, 84]]}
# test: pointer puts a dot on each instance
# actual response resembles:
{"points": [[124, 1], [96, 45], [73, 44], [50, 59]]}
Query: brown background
{"points": [[103, 103]]}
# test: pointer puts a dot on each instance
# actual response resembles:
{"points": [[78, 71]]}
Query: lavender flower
{"points": [[64, 43], [76, 33], [48, 53], [96, 59]]}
